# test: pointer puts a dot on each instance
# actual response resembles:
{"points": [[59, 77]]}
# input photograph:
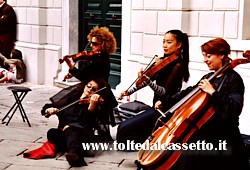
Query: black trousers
{"points": [[137, 128], [70, 140]]}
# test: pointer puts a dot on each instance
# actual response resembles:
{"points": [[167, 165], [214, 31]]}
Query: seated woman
{"points": [[16, 68], [225, 92], [76, 122], [170, 78]]}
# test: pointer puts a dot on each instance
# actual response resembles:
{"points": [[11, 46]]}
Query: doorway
{"points": [[103, 13]]}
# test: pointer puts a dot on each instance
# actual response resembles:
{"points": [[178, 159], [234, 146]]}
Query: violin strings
{"points": [[65, 107], [143, 73]]}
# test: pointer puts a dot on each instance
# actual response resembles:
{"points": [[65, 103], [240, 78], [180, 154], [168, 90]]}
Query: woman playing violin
{"points": [[102, 43], [226, 93], [76, 122], [170, 78]]}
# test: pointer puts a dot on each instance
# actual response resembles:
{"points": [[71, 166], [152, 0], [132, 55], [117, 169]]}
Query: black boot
{"points": [[74, 160]]}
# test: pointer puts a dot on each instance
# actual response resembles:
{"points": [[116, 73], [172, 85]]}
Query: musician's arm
{"points": [[159, 90], [51, 111]]}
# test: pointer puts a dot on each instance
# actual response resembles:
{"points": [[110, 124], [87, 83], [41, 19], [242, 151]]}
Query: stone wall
{"points": [[39, 37], [47, 30], [202, 20]]}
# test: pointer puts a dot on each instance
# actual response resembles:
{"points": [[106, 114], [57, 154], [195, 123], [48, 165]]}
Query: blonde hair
{"points": [[105, 37]]}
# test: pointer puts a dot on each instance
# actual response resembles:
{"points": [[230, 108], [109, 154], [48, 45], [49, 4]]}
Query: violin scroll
{"points": [[246, 54], [61, 60]]}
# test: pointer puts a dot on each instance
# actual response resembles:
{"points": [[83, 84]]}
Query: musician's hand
{"points": [[94, 100], [51, 110], [157, 59], [206, 86], [67, 76], [122, 94], [158, 105], [65, 127], [68, 61], [140, 73]]}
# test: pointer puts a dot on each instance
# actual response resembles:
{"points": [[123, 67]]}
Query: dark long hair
{"points": [[183, 39], [100, 81]]}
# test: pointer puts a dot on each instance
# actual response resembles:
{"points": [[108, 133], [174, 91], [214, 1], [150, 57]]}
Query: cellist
{"points": [[226, 93], [170, 78]]}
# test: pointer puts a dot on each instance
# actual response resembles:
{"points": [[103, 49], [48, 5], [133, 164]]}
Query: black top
{"points": [[97, 65], [74, 115], [170, 77], [77, 115]]}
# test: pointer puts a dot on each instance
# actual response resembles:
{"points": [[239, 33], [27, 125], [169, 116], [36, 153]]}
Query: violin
{"points": [[85, 100], [155, 67], [189, 114], [79, 56], [152, 68]]}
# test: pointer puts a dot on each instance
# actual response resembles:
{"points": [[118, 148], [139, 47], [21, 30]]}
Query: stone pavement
{"points": [[18, 137]]}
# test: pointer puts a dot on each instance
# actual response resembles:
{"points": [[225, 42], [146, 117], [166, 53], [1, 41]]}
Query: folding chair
{"points": [[18, 104]]}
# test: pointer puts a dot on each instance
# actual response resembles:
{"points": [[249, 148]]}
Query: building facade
{"points": [[48, 30]]}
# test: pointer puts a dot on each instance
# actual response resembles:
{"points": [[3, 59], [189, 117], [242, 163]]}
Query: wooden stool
{"points": [[18, 104]]}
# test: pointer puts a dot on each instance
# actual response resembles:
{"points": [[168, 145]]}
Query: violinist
{"points": [[76, 123], [226, 92], [96, 62], [168, 81], [102, 43]]}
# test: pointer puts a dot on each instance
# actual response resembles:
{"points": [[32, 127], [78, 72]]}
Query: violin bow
{"points": [[65, 107], [145, 70], [84, 50]]}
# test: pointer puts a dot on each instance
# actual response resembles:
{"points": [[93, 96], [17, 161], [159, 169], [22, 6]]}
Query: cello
{"points": [[189, 114]]}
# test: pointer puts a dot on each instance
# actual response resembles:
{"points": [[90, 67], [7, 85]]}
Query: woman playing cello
{"points": [[226, 93]]}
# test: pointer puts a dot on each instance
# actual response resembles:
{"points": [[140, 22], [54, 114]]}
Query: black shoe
{"points": [[74, 160]]}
